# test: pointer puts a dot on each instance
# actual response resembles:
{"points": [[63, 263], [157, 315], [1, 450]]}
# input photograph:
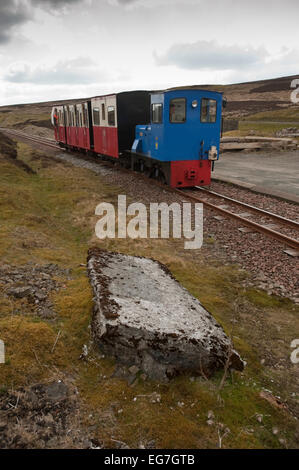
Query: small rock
{"points": [[56, 391], [19, 292], [134, 370], [259, 418], [40, 296], [155, 397]]}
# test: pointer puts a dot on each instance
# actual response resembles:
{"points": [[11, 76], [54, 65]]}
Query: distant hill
{"points": [[244, 99], [261, 100]]}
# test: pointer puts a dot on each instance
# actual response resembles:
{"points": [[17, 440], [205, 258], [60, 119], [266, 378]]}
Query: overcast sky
{"points": [[56, 49]]}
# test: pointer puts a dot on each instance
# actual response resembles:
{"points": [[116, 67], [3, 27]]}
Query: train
{"points": [[171, 135]]}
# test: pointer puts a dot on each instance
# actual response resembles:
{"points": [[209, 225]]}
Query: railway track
{"points": [[196, 196], [32, 138], [269, 228]]}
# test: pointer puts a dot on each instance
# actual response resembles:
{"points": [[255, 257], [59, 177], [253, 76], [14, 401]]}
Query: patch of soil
{"points": [[30, 285], [41, 416]]}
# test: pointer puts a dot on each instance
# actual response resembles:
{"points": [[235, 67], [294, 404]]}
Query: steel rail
{"points": [[36, 139], [279, 218], [292, 242]]}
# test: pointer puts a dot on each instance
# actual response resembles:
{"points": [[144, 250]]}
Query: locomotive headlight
{"points": [[194, 104]]}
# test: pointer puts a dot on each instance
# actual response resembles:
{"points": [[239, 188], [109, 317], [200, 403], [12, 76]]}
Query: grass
{"points": [[290, 114], [267, 123], [16, 118], [49, 217]]}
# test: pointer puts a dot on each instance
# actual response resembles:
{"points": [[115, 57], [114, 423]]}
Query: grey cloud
{"points": [[12, 14], [126, 2], [80, 71], [53, 4], [209, 55]]}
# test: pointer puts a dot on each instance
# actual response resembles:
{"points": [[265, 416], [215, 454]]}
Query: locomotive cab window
{"points": [[111, 115], [96, 116], [157, 113], [208, 110], [177, 110]]}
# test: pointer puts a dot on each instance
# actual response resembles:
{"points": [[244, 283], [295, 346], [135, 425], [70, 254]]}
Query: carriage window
{"points": [[157, 112], [177, 110], [96, 116], [103, 112], [61, 118], [208, 110], [76, 117], [86, 123], [111, 116]]}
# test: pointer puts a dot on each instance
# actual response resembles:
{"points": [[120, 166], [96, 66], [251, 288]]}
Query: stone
{"points": [[19, 292], [56, 391], [143, 317], [134, 370]]}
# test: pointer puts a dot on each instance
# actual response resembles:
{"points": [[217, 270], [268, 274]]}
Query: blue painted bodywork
{"points": [[189, 140]]}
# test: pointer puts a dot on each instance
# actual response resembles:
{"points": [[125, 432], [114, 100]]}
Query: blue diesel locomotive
{"points": [[178, 145]]}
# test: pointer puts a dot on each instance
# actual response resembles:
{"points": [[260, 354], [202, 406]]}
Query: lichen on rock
{"points": [[143, 316]]}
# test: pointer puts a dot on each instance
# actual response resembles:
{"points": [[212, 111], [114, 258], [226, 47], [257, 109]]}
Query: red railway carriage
{"points": [[104, 117], [79, 125], [58, 121], [105, 124], [114, 118]]}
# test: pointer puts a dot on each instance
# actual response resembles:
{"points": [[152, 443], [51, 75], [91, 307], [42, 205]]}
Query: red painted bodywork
{"points": [[83, 138], [106, 141], [68, 135], [60, 135], [72, 136], [190, 173]]}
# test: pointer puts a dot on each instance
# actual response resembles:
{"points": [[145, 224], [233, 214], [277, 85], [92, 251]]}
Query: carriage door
{"points": [[85, 124], [111, 116], [76, 125], [104, 125]]}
